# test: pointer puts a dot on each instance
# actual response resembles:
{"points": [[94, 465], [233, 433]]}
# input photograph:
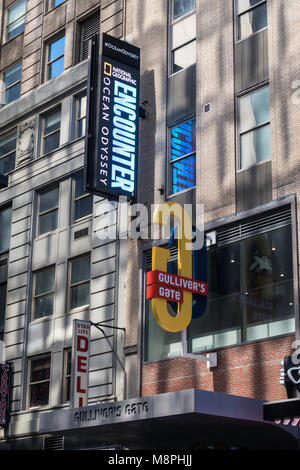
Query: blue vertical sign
{"points": [[112, 158]]}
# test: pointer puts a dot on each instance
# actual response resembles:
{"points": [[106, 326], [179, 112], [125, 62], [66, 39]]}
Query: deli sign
{"points": [[81, 352]]}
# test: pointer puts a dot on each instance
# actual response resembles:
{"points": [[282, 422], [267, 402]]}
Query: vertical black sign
{"points": [[113, 114], [5, 383]]}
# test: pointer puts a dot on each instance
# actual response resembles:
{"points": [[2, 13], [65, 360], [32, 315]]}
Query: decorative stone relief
{"points": [[26, 142]]}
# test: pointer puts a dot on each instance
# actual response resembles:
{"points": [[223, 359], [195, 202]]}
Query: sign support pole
{"points": [[211, 358]]}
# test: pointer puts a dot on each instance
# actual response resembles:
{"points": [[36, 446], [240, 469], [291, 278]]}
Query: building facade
{"points": [[219, 87]]}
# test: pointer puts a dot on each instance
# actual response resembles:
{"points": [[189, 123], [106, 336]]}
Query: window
{"points": [[80, 116], [252, 17], [67, 375], [55, 3], [183, 34], [43, 299], [182, 156], [250, 290], [5, 224], [51, 130], [8, 153], [80, 282], [3, 288], [83, 202], [88, 28], [11, 85], [55, 59], [39, 381], [254, 127], [15, 19], [48, 210]]}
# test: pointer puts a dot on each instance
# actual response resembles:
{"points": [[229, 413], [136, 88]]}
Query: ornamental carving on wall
{"points": [[26, 142]]}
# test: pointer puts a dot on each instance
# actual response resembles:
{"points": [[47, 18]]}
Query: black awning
{"points": [[176, 420]]}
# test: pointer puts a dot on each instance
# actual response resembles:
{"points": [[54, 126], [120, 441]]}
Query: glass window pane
{"points": [[15, 28], [16, 11], [181, 7], [49, 199], [39, 394], [183, 174], [159, 343], [13, 93], [184, 31], [254, 109], [80, 270], [56, 68], [44, 306], [3, 288], [8, 144], [255, 146], [83, 207], [51, 142], [79, 186], [56, 48], [250, 292], [57, 2], [44, 281], [48, 222], [80, 295], [5, 227], [183, 139], [52, 122], [244, 5], [7, 164], [12, 75], [184, 57], [81, 127], [40, 369], [81, 107], [252, 21]]}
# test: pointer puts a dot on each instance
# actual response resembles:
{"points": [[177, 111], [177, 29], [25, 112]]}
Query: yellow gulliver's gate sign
{"points": [[164, 287]]}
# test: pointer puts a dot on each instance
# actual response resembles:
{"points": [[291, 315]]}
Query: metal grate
{"points": [[81, 233], [89, 27], [206, 108], [255, 226], [54, 443]]}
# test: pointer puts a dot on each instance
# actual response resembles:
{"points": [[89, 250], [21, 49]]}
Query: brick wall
{"points": [[251, 370]]}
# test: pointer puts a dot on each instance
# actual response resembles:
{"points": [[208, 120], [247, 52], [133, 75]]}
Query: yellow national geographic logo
{"points": [[107, 68]]}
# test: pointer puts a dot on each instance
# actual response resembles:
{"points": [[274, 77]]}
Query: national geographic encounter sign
{"points": [[113, 114]]}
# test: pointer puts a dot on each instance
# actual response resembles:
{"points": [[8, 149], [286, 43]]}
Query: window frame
{"points": [[34, 296], [74, 199], [48, 62], [8, 24], [77, 119], [38, 213], [5, 88], [2, 137], [29, 383], [66, 376], [70, 285], [170, 162], [3, 208], [239, 134], [43, 136], [237, 20], [172, 50]]}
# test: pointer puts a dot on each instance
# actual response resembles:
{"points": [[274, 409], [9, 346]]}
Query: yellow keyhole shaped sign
{"points": [[160, 257]]}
